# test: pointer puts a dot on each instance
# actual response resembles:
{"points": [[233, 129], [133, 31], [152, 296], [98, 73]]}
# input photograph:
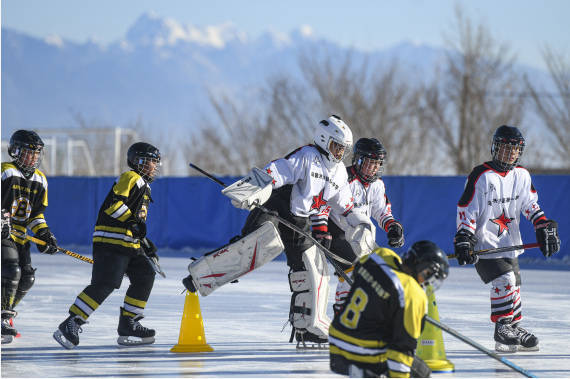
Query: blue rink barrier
{"points": [[192, 213]]}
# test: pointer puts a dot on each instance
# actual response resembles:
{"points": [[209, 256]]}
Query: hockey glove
{"points": [[464, 244], [547, 237], [50, 246], [138, 228], [6, 225], [395, 234], [324, 238], [149, 248]]}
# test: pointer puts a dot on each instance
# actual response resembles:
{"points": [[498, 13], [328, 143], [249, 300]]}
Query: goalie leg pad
{"points": [[310, 294], [236, 259]]}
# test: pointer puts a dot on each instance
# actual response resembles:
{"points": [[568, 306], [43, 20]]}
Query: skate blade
{"points": [[501, 348], [7, 339], [311, 346], [60, 338], [534, 348], [134, 341]]}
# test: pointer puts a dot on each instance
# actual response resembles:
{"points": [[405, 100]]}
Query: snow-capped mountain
{"points": [[161, 72]]}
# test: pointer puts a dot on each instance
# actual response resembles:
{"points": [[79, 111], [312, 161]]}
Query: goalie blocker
{"points": [[236, 259]]}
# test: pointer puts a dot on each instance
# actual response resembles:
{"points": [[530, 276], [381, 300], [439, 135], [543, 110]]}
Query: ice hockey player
{"points": [[376, 332], [24, 200], [119, 246], [302, 186], [488, 216], [370, 200]]}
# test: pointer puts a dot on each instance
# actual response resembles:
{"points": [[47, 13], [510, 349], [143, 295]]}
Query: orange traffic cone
{"points": [[430, 344], [192, 338]]}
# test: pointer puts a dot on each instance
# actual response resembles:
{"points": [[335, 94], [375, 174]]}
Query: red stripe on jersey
{"points": [[321, 228]]}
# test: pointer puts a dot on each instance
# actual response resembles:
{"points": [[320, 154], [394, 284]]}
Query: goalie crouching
{"points": [[300, 188]]}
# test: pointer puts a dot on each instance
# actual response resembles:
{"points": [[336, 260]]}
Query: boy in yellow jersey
{"points": [[376, 331], [119, 245], [24, 200]]}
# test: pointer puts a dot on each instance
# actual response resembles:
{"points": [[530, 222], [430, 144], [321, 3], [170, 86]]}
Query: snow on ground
{"points": [[244, 321]]}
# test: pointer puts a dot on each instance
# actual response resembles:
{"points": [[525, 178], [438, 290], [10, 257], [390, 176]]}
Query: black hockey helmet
{"points": [[144, 159], [26, 149], [372, 149], [505, 140], [426, 260]]}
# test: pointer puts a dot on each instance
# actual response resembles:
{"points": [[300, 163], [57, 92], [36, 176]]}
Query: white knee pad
{"points": [[310, 294], [236, 259]]}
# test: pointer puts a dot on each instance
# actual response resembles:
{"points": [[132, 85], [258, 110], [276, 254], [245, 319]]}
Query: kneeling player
{"points": [[376, 332], [119, 243]]}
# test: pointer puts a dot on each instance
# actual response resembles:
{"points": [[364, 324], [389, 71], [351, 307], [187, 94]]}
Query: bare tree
{"points": [[286, 112], [554, 109], [477, 91]]}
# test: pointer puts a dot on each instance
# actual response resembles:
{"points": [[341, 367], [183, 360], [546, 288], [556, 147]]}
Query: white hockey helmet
{"points": [[334, 137]]}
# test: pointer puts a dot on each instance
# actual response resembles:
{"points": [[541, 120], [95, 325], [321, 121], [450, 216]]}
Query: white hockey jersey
{"points": [[315, 188], [491, 205], [370, 200]]}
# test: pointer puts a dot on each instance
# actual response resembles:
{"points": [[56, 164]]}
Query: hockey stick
{"points": [[479, 347], [500, 249], [331, 257], [153, 263], [42, 242]]}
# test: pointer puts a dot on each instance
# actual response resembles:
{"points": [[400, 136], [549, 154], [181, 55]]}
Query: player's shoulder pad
{"points": [[389, 256], [472, 179]]}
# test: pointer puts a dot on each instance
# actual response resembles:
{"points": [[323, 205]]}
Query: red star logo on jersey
{"points": [[503, 222], [508, 287], [497, 290], [318, 201]]}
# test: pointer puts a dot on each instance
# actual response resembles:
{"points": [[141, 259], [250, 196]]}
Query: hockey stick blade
{"points": [[479, 347], [155, 266], [328, 254], [500, 249]]}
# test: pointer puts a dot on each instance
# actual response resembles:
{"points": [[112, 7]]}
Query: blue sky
{"points": [[526, 25]]}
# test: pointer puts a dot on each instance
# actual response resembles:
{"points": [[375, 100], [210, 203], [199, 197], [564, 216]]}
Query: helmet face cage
{"points": [[26, 149], [334, 137], [148, 167], [336, 150], [433, 276], [145, 160], [368, 159], [503, 153], [507, 147]]}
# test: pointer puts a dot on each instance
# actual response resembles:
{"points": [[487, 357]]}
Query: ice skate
{"points": [[528, 341], [310, 341], [506, 337], [67, 334], [131, 332], [8, 332]]}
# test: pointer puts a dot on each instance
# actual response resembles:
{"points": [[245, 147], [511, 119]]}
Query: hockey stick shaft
{"points": [[500, 249], [67, 252], [331, 257], [479, 347]]}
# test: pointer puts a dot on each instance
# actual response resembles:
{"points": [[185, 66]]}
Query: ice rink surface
{"points": [[244, 322]]}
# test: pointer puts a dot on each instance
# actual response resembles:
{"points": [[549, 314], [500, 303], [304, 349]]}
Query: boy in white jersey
{"points": [[488, 215], [303, 186], [370, 200]]}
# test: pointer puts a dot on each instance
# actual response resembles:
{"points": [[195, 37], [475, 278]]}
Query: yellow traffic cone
{"points": [[192, 338], [430, 344]]}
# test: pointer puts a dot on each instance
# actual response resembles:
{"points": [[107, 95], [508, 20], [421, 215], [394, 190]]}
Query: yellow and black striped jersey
{"points": [[25, 198], [382, 319], [126, 203]]}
